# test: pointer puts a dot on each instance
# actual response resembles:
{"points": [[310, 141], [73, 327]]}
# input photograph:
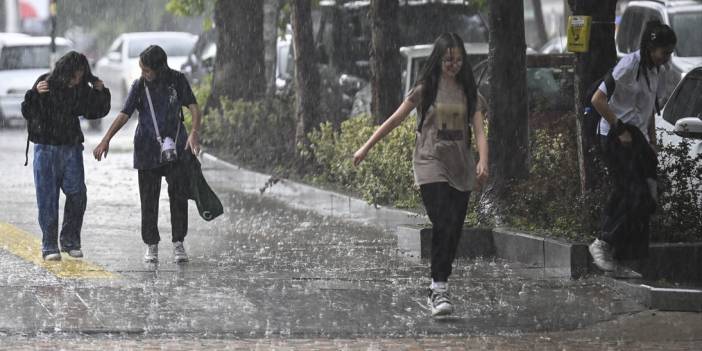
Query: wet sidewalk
{"points": [[269, 275]]}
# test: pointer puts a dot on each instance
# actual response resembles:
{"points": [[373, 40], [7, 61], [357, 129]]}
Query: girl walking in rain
{"points": [[628, 137], [52, 108], [159, 138], [447, 103]]}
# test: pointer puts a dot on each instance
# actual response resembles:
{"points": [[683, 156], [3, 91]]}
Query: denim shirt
{"points": [[168, 97]]}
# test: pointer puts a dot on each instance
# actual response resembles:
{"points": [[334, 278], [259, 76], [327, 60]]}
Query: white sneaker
{"points": [[439, 302], [151, 254], [624, 272], [53, 257], [75, 253], [179, 254], [602, 255]]}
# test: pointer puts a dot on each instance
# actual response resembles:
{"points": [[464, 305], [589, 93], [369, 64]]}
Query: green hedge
{"points": [[384, 177]]}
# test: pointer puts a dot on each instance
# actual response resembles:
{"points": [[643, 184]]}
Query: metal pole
{"points": [[52, 14]]}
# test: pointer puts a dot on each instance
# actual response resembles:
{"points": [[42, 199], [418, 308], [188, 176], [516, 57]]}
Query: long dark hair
{"points": [[67, 66], [431, 73], [655, 35], [155, 58]]}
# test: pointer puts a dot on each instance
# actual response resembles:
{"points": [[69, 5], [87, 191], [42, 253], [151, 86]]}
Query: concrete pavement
{"points": [[275, 273]]}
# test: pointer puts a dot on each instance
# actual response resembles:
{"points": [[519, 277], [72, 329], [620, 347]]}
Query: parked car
{"points": [[682, 114], [200, 60], [684, 16], [556, 45], [22, 59], [120, 66], [549, 84]]}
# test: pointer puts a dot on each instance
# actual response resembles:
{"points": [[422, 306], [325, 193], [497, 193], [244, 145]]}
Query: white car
{"points": [[22, 60], [120, 66], [682, 114]]}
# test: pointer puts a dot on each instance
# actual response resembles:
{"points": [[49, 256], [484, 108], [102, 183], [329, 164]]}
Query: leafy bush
{"points": [[550, 200], [202, 93], [680, 202], [258, 134], [384, 177]]}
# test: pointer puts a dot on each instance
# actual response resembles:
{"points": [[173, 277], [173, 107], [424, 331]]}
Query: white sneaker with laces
{"points": [[151, 254], [624, 272], [179, 252], [75, 253], [439, 302], [53, 257], [602, 255]]}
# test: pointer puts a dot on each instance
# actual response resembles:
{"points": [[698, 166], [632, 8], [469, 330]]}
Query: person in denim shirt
{"points": [[169, 91], [52, 109]]}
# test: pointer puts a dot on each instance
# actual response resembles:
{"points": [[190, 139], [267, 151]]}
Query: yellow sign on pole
{"points": [[579, 33]]}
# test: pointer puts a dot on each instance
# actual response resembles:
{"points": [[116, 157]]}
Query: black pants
{"points": [[149, 192], [446, 208]]}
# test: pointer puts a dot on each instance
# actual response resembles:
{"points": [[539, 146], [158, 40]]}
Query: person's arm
{"points": [[599, 102], [97, 104], [481, 169], [391, 123], [652, 131], [103, 147], [193, 140]]}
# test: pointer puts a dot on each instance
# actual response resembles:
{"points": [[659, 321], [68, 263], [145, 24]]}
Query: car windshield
{"points": [[174, 46], [687, 27], [27, 57], [686, 102]]}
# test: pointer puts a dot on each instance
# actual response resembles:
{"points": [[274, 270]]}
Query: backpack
{"points": [[591, 117]]}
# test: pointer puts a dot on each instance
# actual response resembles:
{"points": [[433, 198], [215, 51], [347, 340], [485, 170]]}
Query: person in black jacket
{"points": [[52, 109]]}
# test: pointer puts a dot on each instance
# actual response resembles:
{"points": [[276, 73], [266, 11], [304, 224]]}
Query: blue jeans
{"points": [[59, 167]]}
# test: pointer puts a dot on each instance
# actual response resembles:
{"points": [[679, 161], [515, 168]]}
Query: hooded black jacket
{"points": [[52, 117]]}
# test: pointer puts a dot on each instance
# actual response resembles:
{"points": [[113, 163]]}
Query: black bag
{"points": [[31, 111], [591, 117]]}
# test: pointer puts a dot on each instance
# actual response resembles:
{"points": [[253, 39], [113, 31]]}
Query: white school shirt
{"points": [[633, 100]]}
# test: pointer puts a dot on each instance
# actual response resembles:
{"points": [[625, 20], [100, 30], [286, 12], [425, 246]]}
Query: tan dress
{"points": [[442, 152]]}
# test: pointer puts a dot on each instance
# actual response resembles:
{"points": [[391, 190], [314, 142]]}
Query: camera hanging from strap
{"points": [[168, 145]]}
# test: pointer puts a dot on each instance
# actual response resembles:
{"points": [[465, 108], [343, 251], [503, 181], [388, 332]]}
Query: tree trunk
{"points": [[385, 59], [589, 67], [239, 71], [271, 8], [307, 81], [508, 138]]}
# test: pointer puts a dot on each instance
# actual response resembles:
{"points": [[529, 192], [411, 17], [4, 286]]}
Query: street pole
{"points": [[52, 13]]}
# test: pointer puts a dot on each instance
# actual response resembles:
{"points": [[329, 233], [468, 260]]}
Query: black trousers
{"points": [[149, 193], [446, 208]]}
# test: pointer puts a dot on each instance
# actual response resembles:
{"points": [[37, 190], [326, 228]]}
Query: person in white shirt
{"points": [[639, 82]]}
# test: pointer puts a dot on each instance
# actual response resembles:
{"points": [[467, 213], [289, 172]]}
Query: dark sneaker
{"points": [[439, 302], [151, 254], [602, 255], [52, 257], [179, 254]]}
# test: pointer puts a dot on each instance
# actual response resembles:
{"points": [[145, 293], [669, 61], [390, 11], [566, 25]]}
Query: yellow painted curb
{"points": [[28, 247]]}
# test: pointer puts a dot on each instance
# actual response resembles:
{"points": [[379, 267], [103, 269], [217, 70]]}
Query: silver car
{"points": [[120, 66], [22, 60]]}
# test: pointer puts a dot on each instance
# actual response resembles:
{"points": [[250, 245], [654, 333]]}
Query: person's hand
{"points": [[359, 156], [101, 150], [625, 137], [193, 144], [98, 84], [481, 172], [43, 87]]}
